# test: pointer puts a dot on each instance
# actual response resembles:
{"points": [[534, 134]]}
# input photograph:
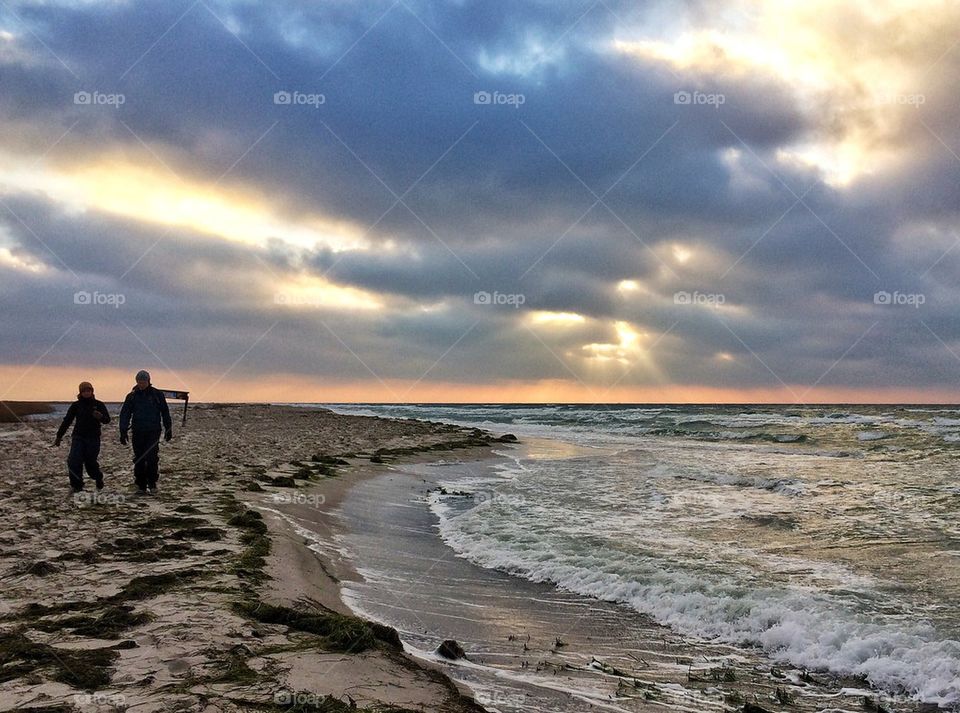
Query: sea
{"points": [[811, 553]]}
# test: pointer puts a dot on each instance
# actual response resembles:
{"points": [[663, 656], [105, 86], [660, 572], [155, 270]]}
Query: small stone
{"points": [[450, 649]]}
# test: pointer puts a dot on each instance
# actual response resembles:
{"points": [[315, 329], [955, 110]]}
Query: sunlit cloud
{"points": [[18, 259], [632, 350], [316, 292], [556, 319], [23, 264], [859, 92], [627, 347], [130, 190], [681, 253], [689, 254]]}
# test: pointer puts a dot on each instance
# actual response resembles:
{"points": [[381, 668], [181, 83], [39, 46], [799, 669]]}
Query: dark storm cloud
{"points": [[398, 100], [189, 321]]}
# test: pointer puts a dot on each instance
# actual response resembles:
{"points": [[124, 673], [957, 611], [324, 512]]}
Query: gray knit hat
{"points": [[143, 374]]}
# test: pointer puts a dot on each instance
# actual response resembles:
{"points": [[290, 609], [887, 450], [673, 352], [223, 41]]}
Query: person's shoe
{"points": [[153, 488], [99, 483], [151, 491], [141, 491]]}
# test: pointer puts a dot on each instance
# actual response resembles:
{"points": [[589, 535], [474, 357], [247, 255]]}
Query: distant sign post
{"points": [[179, 395]]}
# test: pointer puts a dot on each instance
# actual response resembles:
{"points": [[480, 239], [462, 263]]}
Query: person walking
{"points": [[145, 408], [89, 414]]}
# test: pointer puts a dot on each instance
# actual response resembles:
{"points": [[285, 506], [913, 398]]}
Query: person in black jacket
{"points": [[145, 408], [89, 413]]}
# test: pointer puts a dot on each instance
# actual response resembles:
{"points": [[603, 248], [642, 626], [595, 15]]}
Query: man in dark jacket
{"points": [[145, 408], [85, 439]]}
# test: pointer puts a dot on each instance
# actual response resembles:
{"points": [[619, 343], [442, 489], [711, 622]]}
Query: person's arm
{"points": [[102, 408], [67, 420], [165, 413], [125, 418]]}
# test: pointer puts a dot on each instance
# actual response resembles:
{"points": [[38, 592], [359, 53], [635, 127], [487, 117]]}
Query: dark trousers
{"points": [[146, 458], [84, 452]]}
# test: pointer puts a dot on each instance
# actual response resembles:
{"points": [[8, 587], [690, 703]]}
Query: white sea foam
{"points": [[804, 629], [659, 526], [784, 486]]}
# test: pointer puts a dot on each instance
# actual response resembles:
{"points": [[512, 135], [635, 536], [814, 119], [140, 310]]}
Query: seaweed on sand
{"points": [[85, 669], [109, 624], [252, 562], [337, 632]]}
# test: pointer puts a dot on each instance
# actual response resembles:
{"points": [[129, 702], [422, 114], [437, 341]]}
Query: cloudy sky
{"points": [[426, 200]]}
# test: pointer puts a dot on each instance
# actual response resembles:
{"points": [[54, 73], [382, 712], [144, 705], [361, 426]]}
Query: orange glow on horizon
{"points": [[59, 384]]}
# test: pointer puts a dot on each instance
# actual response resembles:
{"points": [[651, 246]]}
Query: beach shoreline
{"points": [[191, 598], [305, 565], [227, 591], [674, 671]]}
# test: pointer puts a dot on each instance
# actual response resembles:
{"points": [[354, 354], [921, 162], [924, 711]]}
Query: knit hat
{"points": [[143, 374], [84, 385]]}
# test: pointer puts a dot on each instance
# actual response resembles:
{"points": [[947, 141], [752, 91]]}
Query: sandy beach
{"points": [[183, 601], [288, 552]]}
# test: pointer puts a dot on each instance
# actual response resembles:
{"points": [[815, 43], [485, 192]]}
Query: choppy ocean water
{"points": [[827, 537]]}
